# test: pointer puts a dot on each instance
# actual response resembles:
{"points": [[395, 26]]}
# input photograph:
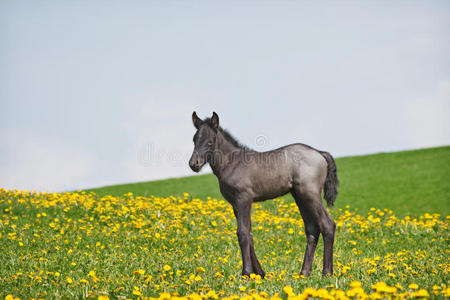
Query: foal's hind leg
{"points": [[328, 232], [312, 232], [315, 213]]}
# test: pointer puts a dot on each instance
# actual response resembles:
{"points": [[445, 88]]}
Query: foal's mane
{"points": [[227, 135]]}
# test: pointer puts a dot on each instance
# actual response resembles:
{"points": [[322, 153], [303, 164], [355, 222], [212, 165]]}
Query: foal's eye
{"points": [[210, 144]]}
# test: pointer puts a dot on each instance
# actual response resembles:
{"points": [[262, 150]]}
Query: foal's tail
{"points": [[332, 181]]}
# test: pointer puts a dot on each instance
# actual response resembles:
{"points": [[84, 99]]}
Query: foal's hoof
{"points": [[246, 275], [327, 274], [304, 274]]}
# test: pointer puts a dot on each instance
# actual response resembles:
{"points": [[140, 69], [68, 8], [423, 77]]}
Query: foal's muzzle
{"points": [[195, 168], [196, 163]]}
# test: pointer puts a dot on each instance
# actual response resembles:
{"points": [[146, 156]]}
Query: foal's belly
{"points": [[271, 188], [268, 196]]}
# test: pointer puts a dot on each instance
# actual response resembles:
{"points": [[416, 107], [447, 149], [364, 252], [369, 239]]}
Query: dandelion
{"points": [[137, 291], [420, 293], [375, 295], [413, 286], [212, 294], [288, 290], [139, 272], [323, 293], [355, 291]]}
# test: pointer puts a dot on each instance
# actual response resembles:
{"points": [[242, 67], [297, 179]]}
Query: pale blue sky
{"points": [[102, 92]]}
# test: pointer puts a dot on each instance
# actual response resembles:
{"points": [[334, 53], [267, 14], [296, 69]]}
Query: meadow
{"points": [[143, 244]]}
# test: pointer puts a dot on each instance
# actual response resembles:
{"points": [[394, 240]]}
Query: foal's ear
{"points": [[215, 120], [196, 120]]}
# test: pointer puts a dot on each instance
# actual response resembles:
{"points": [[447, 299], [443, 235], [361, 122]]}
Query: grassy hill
{"points": [[408, 182]]}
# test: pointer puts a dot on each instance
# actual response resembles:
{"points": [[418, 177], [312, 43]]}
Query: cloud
{"points": [[427, 118], [32, 163]]}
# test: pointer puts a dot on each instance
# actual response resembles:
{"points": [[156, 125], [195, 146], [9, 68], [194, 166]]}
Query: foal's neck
{"points": [[223, 154]]}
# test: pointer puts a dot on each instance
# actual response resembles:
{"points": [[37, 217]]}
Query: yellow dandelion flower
{"points": [[309, 292], [420, 293], [322, 293], [355, 284], [212, 294], [137, 291], [139, 272], [288, 290], [375, 295], [355, 291]]}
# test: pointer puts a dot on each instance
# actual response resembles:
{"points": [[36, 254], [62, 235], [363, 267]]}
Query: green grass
{"points": [[409, 182]]}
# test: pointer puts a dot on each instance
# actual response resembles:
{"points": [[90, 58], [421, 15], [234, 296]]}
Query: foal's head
{"points": [[204, 141]]}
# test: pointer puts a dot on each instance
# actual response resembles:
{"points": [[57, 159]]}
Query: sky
{"points": [[96, 93]]}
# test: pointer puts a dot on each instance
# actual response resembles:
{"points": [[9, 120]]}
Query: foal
{"points": [[246, 176]]}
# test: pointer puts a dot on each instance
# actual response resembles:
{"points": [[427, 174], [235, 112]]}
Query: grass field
{"points": [[121, 242]]}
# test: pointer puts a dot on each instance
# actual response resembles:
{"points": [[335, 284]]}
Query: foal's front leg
{"points": [[250, 264]]}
